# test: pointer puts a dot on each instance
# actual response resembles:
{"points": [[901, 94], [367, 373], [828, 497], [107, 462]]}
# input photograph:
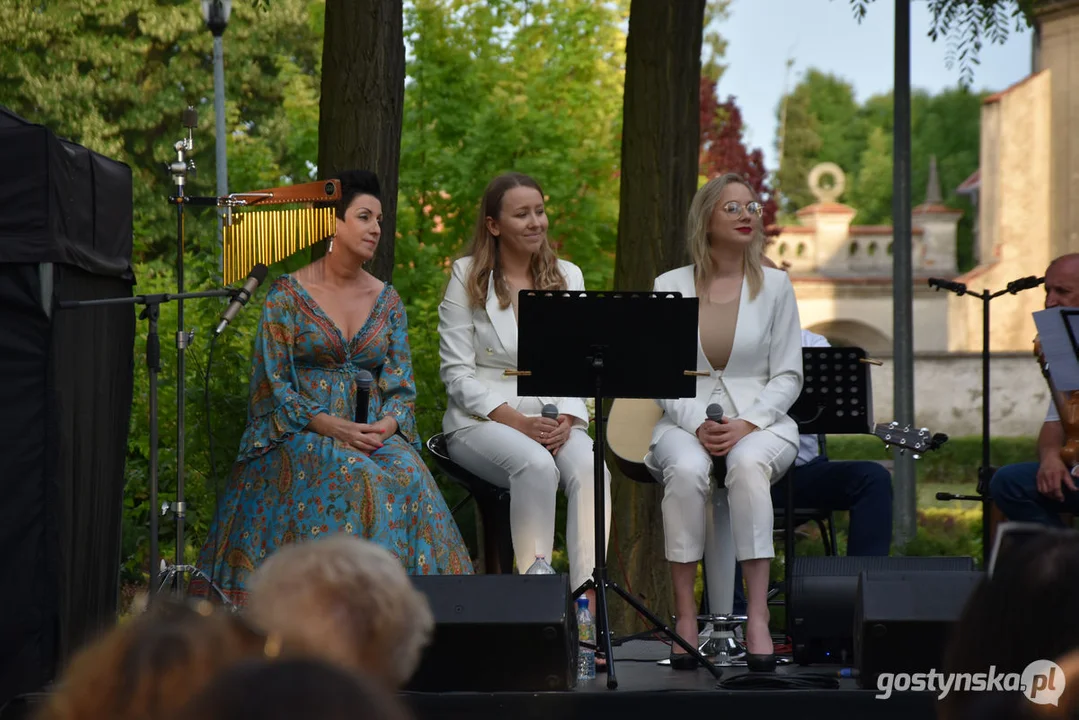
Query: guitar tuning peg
{"points": [[887, 447], [916, 456]]}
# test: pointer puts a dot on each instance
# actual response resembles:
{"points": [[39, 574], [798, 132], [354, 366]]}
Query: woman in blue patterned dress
{"points": [[305, 469]]}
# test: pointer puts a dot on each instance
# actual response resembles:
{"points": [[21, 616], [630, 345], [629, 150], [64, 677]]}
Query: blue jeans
{"points": [[1014, 489], [861, 486]]}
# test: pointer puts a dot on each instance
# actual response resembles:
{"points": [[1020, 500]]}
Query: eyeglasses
{"points": [[734, 208]]}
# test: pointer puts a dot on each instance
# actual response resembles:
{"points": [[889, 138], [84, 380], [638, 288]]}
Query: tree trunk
{"points": [[363, 91], [660, 145]]}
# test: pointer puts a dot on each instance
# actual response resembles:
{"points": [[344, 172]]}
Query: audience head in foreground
{"points": [[1024, 611], [154, 662], [345, 600]]}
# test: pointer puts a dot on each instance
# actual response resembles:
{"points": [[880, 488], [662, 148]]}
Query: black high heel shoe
{"points": [[763, 663], [683, 661]]}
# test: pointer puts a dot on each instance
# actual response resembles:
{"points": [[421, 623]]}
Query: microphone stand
{"points": [[179, 169], [153, 364], [985, 472]]}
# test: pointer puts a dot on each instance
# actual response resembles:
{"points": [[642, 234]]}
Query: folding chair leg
{"points": [[829, 549]]}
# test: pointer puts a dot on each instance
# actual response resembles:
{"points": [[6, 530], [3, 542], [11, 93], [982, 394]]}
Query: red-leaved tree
{"points": [[723, 148]]}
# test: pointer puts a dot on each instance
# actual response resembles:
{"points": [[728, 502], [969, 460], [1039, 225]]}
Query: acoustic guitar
{"points": [[630, 424]]}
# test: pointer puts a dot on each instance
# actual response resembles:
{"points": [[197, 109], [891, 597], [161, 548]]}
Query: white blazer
{"points": [[477, 344], [764, 374]]}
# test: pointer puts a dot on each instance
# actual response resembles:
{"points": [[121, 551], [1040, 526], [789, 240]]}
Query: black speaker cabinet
{"points": [[823, 597], [903, 619], [498, 632]]}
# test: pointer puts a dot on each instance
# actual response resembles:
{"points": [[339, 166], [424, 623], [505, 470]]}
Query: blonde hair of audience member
{"points": [[485, 247], [346, 600], [293, 688], [154, 662], [700, 244]]}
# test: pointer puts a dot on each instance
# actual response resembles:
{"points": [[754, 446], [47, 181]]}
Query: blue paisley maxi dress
{"points": [[291, 484]]}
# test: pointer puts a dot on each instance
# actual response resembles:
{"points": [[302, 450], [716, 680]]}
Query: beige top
{"points": [[717, 324]]}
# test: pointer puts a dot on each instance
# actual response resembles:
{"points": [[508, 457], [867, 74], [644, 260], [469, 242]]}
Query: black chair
{"points": [[493, 503], [823, 519]]}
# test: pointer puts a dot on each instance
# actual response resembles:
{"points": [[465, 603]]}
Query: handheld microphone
{"points": [[364, 380], [942, 284], [719, 463], [550, 411], [254, 279]]}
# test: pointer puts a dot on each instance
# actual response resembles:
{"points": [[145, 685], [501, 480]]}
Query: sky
{"points": [[823, 34]]}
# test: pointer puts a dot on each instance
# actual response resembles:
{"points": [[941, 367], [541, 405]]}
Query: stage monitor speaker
{"points": [[902, 620], [823, 597], [498, 632]]}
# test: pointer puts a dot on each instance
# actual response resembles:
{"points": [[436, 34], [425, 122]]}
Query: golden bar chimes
{"points": [[256, 230]]}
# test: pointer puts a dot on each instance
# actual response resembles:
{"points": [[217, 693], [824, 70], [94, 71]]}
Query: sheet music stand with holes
{"points": [[609, 345], [836, 399]]}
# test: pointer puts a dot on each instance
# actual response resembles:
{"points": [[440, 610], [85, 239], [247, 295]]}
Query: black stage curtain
{"points": [[65, 397], [93, 368], [29, 488]]}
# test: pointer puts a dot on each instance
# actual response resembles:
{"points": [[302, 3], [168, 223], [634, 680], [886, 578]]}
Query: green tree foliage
{"points": [[826, 124], [715, 45], [798, 142], [115, 76]]}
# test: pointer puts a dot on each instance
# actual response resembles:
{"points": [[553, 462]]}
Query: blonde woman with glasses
{"points": [[750, 349]]}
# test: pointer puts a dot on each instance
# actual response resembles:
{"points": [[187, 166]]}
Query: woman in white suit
{"points": [[750, 348], [490, 431]]}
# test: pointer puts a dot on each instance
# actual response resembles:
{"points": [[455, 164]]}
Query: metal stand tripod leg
{"points": [[173, 572]]}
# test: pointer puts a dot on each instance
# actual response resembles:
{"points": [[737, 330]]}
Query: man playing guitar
{"points": [[1039, 491]]}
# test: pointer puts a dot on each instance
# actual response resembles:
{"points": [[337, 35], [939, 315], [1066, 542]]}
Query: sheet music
{"points": [[1058, 345]]}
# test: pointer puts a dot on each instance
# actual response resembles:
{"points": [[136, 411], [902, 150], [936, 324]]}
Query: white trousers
{"points": [[753, 465], [507, 458]]}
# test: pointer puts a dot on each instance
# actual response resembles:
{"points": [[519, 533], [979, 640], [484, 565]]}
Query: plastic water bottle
{"points": [[540, 567], [586, 632]]}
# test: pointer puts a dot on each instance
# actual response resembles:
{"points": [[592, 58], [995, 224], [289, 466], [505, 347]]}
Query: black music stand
{"points": [[609, 345], [836, 399]]}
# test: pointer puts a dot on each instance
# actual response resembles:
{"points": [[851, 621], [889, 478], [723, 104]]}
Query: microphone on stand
{"points": [[364, 380], [1031, 281], [254, 279], [942, 284]]}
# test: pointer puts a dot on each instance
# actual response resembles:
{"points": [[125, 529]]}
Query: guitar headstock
{"points": [[917, 440]]}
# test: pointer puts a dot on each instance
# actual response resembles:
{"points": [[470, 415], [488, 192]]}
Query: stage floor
{"points": [[646, 689]]}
